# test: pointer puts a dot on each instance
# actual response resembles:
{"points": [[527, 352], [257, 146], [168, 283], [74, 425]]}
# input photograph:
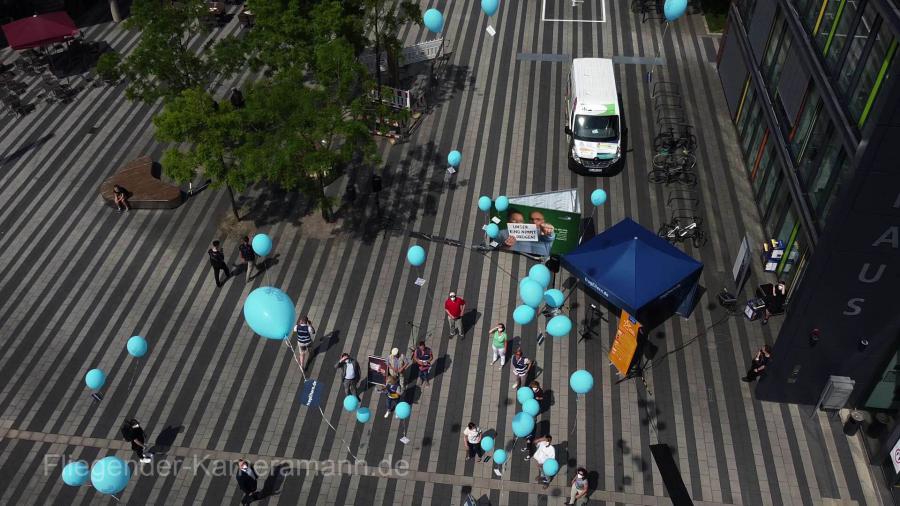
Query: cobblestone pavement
{"points": [[78, 279]]}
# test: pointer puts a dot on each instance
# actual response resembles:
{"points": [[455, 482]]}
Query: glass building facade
{"points": [[810, 86]]}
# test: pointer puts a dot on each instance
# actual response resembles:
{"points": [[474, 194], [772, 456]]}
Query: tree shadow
{"points": [[15, 155], [272, 204]]}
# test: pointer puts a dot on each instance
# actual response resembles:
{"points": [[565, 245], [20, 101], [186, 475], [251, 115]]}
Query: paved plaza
{"points": [[78, 279]]}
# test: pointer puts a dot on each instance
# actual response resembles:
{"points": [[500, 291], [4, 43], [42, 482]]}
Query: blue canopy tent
{"points": [[637, 271]]}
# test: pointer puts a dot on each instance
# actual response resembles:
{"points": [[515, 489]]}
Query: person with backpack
{"points": [[305, 332], [134, 434], [349, 373], [217, 260], [248, 256], [391, 394]]}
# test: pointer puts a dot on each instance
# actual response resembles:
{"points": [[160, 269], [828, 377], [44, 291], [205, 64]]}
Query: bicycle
{"points": [[672, 173], [676, 232], [680, 157], [670, 141]]}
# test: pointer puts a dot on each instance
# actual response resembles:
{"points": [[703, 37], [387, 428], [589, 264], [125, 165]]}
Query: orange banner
{"points": [[622, 351]]}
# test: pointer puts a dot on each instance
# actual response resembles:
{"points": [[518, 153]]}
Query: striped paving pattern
{"points": [[79, 279]]}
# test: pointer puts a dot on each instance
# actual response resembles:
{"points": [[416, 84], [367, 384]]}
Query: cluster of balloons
{"points": [[95, 378], [485, 203], [533, 291], [109, 475], [270, 312], [522, 424], [363, 414]]}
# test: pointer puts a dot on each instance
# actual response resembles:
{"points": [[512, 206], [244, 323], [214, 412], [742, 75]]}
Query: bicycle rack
{"points": [[664, 101], [664, 87], [683, 195]]}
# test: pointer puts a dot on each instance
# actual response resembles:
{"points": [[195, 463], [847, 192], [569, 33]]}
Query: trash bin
{"points": [[851, 426]]}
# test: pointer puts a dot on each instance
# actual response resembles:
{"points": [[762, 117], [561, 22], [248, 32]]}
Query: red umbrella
{"points": [[39, 30]]}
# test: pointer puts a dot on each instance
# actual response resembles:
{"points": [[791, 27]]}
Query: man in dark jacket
{"points": [[217, 260], [134, 434], [246, 477], [349, 373]]}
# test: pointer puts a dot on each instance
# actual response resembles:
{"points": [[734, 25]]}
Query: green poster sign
{"points": [[537, 230]]}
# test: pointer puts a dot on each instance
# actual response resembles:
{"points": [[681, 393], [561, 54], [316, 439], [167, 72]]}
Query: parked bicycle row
{"points": [[674, 162]]}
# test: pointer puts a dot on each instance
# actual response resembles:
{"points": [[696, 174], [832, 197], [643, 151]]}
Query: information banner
{"points": [[624, 346], [377, 370], [538, 231]]}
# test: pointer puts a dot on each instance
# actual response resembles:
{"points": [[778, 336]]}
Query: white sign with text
{"points": [[526, 232]]}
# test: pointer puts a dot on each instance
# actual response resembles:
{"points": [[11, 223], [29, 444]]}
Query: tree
{"points": [[214, 132], [162, 64], [383, 18]]}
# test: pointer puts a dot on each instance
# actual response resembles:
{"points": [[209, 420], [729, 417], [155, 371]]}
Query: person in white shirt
{"points": [[472, 438], [543, 451]]}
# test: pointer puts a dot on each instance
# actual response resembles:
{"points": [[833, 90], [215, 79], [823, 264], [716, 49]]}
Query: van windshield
{"points": [[597, 128]]}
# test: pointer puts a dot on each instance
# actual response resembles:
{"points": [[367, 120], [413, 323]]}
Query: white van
{"points": [[592, 116]]}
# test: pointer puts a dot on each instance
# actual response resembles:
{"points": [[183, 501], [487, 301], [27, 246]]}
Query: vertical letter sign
{"points": [[622, 351]]}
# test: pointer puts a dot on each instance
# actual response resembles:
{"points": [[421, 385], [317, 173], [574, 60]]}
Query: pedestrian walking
{"points": [[758, 364], [521, 366], [454, 307], [397, 366], [349, 373], [247, 481], [391, 392], [580, 487], [305, 332], [423, 358], [498, 343], [538, 396], [134, 434], [248, 256], [472, 439], [217, 260], [543, 451]]}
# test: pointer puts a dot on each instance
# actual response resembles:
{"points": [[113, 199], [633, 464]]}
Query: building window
{"points": [[820, 187], [770, 188], [760, 172], [873, 75], [753, 140], [837, 38], [747, 107], [814, 147], [856, 49], [825, 21], [812, 104], [842, 174]]}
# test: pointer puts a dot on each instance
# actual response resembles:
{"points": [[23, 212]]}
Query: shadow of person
{"points": [[440, 365], [274, 482], [468, 321], [165, 439]]}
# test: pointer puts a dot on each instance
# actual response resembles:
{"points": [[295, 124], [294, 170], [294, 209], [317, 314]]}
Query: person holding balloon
{"points": [[248, 256], [521, 365], [423, 358], [538, 393], [543, 452], [305, 332], [134, 434], [472, 438], [391, 392]]}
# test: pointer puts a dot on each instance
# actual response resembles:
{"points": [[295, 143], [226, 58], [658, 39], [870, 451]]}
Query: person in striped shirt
{"points": [[305, 331]]}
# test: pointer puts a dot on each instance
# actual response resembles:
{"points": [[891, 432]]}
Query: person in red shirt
{"points": [[454, 307]]}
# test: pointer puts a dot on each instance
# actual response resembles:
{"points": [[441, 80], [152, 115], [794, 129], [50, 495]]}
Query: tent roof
{"points": [[39, 30], [630, 265]]}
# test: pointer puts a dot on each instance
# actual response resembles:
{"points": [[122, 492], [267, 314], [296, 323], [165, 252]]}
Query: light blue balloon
{"points": [[454, 158], [95, 379], [522, 424], [554, 297], [500, 456], [492, 230], [523, 314], [541, 274], [490, 6], [532, 407], [270, 312], [110, 475], [434, 20], [559, 326], [487, 443], [403, 410], [524, 393], [484, 203], [136, 346], [531, 292], [351, 402], [363, 415], [262, 244], [598, 197], [674, 9], [581, 381], [550, 467], [75, 474], [502, 203], [416, 255]]}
